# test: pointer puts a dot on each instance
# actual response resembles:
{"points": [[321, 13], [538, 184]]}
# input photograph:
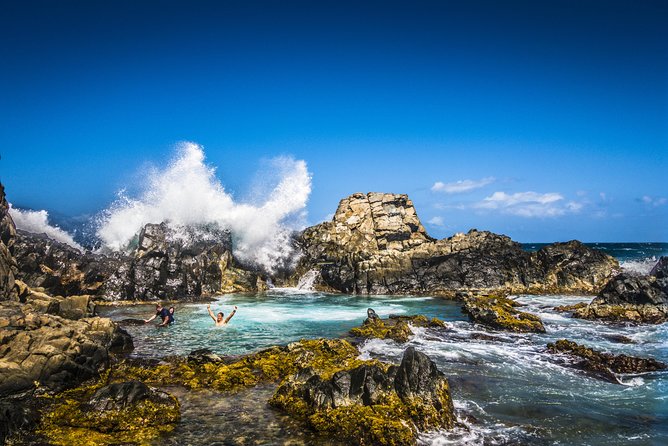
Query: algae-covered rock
{"points": [[273, 364], [501, 313], [371, 403], [604, 365], [396, 328], [119, 413]]}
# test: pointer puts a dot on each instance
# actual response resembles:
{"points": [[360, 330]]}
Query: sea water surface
{"points": [[507, 389]]}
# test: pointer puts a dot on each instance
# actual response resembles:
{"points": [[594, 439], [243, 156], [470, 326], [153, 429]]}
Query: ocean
{"points": [[507, 389]]}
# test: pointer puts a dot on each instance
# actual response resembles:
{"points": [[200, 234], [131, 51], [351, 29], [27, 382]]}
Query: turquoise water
{"points": [[507, 389]]}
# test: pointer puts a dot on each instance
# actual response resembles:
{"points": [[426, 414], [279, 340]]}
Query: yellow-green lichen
{"points": [[500, 312], [396, 328]]}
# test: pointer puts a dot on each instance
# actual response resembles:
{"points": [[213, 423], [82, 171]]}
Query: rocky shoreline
{"points": [[60, 363]]}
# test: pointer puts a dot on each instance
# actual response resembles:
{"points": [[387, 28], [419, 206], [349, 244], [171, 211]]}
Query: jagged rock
{"points": [[372, 403], [8, 267], [203, 356], [501, 313], [375, 244], [396, 328], [118, 396], [604, 365], [626, 297], [53, 351]]}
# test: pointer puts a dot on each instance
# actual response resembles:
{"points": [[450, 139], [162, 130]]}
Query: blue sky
{"points": [[541, 120]]}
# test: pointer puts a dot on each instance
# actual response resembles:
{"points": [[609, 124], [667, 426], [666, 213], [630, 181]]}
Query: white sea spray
{"points": [[38, 222], [188, 193]]}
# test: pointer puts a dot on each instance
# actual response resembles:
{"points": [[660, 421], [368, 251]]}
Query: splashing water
{"points": [[38, 223], [188, 193], [307, 281]]}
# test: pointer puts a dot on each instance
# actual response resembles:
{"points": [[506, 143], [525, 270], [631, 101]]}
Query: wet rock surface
{"points": [[604, 365], [375, 244], [397, 328], [632, 298], [501, 313], [372, 403]]}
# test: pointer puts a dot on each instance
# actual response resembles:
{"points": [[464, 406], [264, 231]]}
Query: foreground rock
{"points": [[501, 313], [604, 365], [375, 244], [372, 403], [397, 328], [632, 298], [120, 413]]}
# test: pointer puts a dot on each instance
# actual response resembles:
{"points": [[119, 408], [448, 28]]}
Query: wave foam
{"points": [[38, 222], [641, 267], [188, 193]]}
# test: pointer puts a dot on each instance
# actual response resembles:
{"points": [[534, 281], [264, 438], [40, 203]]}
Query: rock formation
{"points": [[375, 244], [604, 365], [501, 313], [8, 268], [397, 328], [372, 403], [194, 262], [632, 298]]}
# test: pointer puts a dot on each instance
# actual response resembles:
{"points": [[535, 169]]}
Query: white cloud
{"points": [[654, 201], [436, 221], [461, 186], [529, 204]]}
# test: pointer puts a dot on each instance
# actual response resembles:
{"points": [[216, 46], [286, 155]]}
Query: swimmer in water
{"points": [[219, 319], [168, 319]]}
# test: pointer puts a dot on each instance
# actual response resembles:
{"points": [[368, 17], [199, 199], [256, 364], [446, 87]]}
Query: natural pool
{"points": [[507, 388]]}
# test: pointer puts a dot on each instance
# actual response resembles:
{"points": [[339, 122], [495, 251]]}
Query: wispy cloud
{"points": [[654, 201], [461, 186], [436, 221], [530, 204]]}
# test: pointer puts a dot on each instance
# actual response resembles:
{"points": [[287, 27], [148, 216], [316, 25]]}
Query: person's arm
{"points": [[165, 321], [208, 307], [231, 314], [150, 319]]}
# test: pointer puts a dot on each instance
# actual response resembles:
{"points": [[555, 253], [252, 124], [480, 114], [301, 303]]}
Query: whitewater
{"points": [[187, 193]]}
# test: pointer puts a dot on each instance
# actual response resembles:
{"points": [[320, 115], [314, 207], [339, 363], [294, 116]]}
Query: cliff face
{"points": [[8, 268], [375, 244]]}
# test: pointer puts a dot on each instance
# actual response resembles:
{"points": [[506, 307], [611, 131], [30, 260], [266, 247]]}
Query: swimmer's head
{"points": [[220, 316]]}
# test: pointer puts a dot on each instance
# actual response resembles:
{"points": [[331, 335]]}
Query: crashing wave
{"points": [[187, 193], [38, 222]]}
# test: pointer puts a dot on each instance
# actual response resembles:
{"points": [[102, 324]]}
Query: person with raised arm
{"points": [[219, 319]]}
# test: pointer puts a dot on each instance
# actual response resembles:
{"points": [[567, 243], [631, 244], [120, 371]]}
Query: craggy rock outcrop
{"points": [[52, 351], [194, 262], [632, 298], [501, 313], [604, 365], [120, 413], [397, 328], [372, 403], [8, 268], [375, 244]]}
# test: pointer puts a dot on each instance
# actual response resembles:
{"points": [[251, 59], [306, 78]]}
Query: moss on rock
{"points": [[396, 328], [500, 312]]}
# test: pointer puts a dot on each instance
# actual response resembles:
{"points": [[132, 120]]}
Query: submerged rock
{"points": [[501, 313], [604, 365], [396, 328], [375, 244], [632, 298], [372, 403]]}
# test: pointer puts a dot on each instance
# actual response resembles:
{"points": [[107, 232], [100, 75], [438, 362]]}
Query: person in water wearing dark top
{"points": [[160, 312], [169, 319], [219, 319]]}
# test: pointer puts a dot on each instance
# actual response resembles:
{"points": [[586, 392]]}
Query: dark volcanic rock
{"points": [[8, 267], [118, 396], [203, 356], [632, 298], [605, 365], [375, 244], [396, 328], [372, 403]]}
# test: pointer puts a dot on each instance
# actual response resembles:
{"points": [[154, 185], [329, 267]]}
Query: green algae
{"points": [[396, 328], [499, 312]]}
